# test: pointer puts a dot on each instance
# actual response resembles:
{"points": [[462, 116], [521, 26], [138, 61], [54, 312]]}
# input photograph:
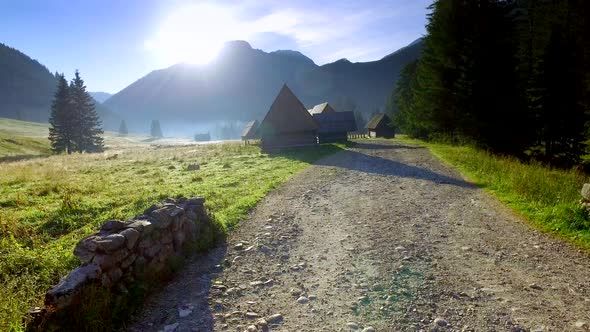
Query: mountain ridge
{"points": [[27, 88], [100, 96], [242, 82]]}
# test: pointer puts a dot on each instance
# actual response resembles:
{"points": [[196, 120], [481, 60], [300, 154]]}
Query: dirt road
{"points": [[381, 237]]}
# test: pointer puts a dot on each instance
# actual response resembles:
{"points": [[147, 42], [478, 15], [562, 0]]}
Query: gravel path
{"points": [[380, 237]]}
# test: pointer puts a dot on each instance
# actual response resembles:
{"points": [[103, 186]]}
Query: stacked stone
{"points": [[123, 251]]}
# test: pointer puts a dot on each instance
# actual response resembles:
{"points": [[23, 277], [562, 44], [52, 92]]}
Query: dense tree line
{"points": [[512, 76], [75, 125]]}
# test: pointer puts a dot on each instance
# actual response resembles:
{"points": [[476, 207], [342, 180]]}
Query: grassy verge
{"points": [[20, 139], [547, 198], [48, 204]]}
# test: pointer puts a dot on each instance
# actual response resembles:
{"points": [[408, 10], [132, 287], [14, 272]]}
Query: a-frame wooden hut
{"points": [[380, 126], [335, 126], [321, 109], [249, 132], [287, 124]]}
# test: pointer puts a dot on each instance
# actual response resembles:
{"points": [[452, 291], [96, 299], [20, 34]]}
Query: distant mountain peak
{"points": [[293, 54], [418, 43], [100, 96], [237, 44], [242, 82]]}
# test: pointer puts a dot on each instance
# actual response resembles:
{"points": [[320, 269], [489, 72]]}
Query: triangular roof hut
{"points": [[335, 126], [380, 126], [321, 108], [287, 123], [250, 130]]}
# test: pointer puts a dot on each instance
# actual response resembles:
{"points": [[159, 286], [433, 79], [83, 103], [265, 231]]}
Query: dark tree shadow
{"points": [[353, 159], [376, 146], [192, 283], [364, 163]]}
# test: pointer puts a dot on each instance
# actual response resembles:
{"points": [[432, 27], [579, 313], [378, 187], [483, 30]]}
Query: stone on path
{"points": [[440, 322], [184, 312], [352, 325], [171, 327], [275, 319], [302, 300]]}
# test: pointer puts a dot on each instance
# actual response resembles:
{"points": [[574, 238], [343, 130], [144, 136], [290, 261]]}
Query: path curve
{"points": [[381, 235]]}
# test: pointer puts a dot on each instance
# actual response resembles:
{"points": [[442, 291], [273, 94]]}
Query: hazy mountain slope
{"points": [[242, 83], [26, 86], [100, 96], [369, 84]]}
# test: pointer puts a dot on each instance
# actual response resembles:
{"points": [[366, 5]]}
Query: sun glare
{"points": [[195, 34]]}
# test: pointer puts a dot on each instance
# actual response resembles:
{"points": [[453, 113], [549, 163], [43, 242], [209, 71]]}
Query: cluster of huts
{"points": [[288, 124]]}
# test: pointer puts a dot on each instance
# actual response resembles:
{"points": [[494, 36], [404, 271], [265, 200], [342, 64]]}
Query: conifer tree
{"points": [[123, 129], [155, 130], [62, 119], [88, 136]]}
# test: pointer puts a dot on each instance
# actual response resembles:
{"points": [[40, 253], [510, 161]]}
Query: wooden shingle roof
{"points": [[250, 129], [336, 122], [321, 108], [380, 119], [287, 115]]}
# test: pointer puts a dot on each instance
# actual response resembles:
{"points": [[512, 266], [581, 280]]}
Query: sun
{"points": [[195, 34]]}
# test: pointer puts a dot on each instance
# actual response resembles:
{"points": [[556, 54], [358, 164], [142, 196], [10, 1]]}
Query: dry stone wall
{"points": [[124, 253]]}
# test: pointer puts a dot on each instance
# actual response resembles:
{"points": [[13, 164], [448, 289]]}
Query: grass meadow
{"points": [[48, 204], [548, 198]]}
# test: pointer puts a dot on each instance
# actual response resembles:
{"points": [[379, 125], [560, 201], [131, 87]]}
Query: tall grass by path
{"points": [[548, 198], [48, 204]]}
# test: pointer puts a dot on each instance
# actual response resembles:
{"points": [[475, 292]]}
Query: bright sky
{"points": [[115, 42]]}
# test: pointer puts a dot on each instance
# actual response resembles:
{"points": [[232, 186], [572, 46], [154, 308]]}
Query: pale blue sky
{"points": [[115, 42]]}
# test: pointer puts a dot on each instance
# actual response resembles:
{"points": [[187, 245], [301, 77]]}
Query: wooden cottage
{"points": [[249, 132], [380, 126], [321, 108], [335, 126], [287, 124]]}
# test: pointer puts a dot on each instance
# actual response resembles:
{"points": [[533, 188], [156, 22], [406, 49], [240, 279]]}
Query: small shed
{"points": [[380, 126], [321, 108], [287, 124], [335, 126], [249, 132]]}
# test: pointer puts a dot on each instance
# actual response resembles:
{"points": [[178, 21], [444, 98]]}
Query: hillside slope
{"points": [[21, 139], [99, 96], [242, 82], [27, 88]]}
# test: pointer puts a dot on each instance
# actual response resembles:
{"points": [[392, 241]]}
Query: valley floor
{"points": [[380, 236]]}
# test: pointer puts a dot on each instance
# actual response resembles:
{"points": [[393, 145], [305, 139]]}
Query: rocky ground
{"points": [[380, 237]]}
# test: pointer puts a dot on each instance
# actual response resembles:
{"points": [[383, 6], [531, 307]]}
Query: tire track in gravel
{"points": [[378, 237]]}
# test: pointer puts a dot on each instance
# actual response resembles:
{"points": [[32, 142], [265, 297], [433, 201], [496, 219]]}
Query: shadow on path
{"points": [[377, 146], [361, 162], [189, 289]]}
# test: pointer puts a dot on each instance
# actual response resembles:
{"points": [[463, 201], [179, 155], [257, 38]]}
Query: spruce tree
{"points": [[88, 136], [123, 129], [62, 119], [155, 130]]}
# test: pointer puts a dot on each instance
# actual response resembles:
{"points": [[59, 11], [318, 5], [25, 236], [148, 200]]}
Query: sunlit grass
{"points": [[48, 204], [547, 198]]}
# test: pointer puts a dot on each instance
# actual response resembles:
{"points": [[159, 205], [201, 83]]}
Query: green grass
{"points": [[19, 139], [547, 198], [48, 204]]}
